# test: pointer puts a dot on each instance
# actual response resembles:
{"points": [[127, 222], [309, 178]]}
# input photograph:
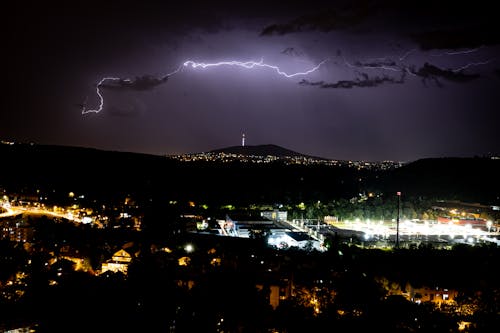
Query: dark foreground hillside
{"points": [[107, 173], [112, 173], [466, 179]]}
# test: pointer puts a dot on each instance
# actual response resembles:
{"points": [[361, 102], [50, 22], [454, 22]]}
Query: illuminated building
{"points": [[280, 288], [275, 215], [16, 231], [436, 295], [118, 263]]}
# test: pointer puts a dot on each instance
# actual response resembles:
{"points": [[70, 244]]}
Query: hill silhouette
{"points": [[106, 174], [262, 150], [470, 179]]}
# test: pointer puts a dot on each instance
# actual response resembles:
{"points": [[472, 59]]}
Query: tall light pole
{"points": [[397, 220]]}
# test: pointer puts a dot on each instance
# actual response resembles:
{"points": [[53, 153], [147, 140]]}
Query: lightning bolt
{"points": [[194, 65], [458, 52], [252, 64], [406, 54], [471, 64], [406, 69], [190, 64], [98, 92]]}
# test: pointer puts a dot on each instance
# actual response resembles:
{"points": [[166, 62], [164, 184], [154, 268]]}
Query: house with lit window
{"points": [[435, 295], [118, 263], [279, 288]]}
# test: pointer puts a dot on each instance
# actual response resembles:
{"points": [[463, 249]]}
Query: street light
{"points": [[189, 248], [397, 220]]}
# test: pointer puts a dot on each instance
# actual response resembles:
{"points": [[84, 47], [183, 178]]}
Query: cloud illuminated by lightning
{"points": [[382, 64], [194, 65]]}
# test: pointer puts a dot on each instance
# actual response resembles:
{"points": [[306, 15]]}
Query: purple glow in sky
{"points": [[386, 83], [191, 64]]}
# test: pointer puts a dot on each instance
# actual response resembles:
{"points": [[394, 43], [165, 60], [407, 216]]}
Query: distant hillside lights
{"points": [[288, 160]]}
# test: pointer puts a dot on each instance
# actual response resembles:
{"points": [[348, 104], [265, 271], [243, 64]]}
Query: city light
{"points": [[189, 248]]}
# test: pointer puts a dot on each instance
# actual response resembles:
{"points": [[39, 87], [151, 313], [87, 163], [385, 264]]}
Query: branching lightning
{"points": [[458, 52], [250, 65], [194, 65], [101, 99], [406, 54], [426, 72], [471, 64]]}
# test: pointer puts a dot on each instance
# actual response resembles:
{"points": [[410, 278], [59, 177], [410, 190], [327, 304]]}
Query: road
{"points": [[18, 210]]}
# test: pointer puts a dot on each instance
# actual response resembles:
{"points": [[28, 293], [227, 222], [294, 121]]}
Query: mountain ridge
{"points": [[263, 150], [105, 173]]}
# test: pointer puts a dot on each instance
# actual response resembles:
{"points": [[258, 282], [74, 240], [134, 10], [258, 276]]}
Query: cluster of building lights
{"points": [[414, 228], [289, 160]]}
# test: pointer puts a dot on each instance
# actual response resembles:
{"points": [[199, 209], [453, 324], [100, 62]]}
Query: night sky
{"points": [[401, 80]]}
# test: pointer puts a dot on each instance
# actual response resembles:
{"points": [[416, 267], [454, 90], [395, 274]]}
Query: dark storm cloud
{"points": [[141, 83], [293, 52], [433, 73], [365, 82], [375, 64], [325, 20], [457, 38]]}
